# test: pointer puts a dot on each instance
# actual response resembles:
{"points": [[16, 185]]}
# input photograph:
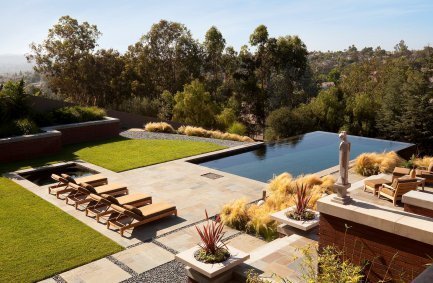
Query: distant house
{"points": [[326, 85]]}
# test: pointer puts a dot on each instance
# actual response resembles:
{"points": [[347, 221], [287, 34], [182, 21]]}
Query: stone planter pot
{"points": [[304, 226], [211, 272]]}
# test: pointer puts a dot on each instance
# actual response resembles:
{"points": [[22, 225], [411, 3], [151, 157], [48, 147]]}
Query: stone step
{"points": [[261, 259]]}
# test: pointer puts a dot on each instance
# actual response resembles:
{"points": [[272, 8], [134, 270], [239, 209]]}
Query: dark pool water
{"points": [[43, 177], [309, 153]]}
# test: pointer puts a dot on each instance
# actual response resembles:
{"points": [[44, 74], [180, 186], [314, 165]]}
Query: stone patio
{"points": [[150, 249]]}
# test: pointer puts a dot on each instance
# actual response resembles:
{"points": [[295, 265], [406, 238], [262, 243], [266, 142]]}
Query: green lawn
{"points": [[121, 154], [38, 239]]}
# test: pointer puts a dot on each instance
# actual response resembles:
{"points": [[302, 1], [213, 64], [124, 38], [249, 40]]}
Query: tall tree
{"points": [[63, 57], [214, 44], [173, 58]]}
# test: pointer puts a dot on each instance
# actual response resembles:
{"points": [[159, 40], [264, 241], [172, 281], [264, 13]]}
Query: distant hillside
{"points": [[14, 64]]}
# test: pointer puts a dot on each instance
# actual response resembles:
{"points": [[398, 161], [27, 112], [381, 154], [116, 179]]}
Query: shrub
{"points": [[226, 118], [161, 127], [91, 113], [18, 127], [332, 268], [237, 128], [200, 132], [13, 101], [26, 126], [77, 114], [166, 103], [255, 218], [285, 122], [368, 164], [194, 105]]}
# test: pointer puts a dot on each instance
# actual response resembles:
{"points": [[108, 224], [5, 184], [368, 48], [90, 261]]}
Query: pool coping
{"points": [[222, 153]]}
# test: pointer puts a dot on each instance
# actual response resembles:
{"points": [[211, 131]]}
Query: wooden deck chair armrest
{"points": [[58, 185], [388, 187]]}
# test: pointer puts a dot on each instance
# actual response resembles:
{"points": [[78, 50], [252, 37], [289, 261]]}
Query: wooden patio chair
{"points": [[82, 191], [129, 217], [397, 189], [101, 205], [64, 180]]}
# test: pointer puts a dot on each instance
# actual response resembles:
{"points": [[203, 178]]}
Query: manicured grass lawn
{"points": [[39, 240], [121, 154]]}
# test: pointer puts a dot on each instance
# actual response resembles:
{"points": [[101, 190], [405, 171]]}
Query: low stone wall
{"points": [[30, 146], [392, 243], [52, 140], [87, 131]]}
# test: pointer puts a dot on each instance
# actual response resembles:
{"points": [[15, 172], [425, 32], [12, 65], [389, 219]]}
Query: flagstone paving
{"points": [[101, 270], [150, 249]]}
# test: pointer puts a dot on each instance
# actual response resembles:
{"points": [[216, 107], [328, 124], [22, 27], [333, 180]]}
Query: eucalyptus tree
{"points": [[214, 44], [168, 56], [63, 59]]}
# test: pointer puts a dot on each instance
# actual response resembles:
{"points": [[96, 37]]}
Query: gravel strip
{"points": [[122, 265], [170, 272], [164, 136]]}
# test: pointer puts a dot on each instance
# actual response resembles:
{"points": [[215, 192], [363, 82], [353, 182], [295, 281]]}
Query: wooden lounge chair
{"points": [[130, 217], [397, 189], [423, 172], [64, 180], [101, 205], [81, 192]]}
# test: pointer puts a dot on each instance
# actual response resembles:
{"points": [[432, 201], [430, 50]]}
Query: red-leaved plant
{"points": [[211, 235], [302, 201]]}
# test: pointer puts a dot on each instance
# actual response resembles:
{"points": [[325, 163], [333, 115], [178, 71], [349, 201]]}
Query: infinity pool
{"points": [[309, 153]]}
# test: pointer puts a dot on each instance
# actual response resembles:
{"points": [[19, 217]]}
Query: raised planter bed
{"points": [[29, 146], [87, 131], [53, 138]]}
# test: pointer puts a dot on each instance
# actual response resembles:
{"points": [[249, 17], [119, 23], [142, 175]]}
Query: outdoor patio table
{"points": [[374, 184]]}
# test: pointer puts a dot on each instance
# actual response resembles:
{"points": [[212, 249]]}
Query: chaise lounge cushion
{"points": [[150, 210]]}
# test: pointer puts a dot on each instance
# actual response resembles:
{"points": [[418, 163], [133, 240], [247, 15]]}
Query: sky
{"points": [[322, 25]]}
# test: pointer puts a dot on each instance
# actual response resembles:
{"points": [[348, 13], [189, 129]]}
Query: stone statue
{"points": [[344, 159], [343, 181]]}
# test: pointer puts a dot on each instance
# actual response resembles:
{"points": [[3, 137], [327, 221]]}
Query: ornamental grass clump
{"points": [[423, 162], [212, 249], [255, 219], [159, 127], [368, 164], [200, 132], [301, 211]]}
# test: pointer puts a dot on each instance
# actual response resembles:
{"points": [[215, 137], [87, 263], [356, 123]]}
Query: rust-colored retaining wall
{"points": [[27, 147], [419, 210], [406, 258], [88, 131]]}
